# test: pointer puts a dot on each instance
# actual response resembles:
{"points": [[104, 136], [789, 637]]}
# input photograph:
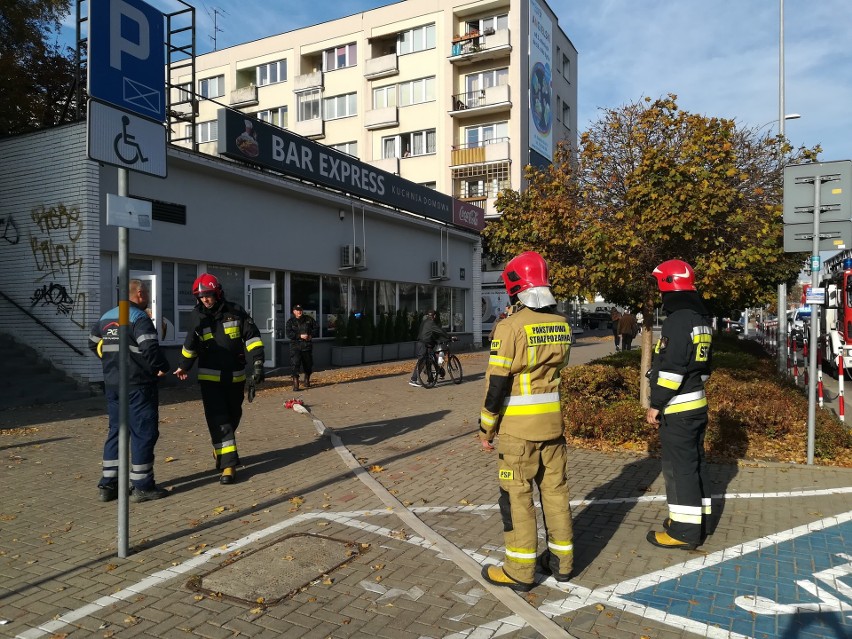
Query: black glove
{"points": [[258, 372]]}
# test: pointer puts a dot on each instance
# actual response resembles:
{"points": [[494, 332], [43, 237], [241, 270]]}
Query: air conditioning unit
{"points": [[438, 270], [352, 256]]}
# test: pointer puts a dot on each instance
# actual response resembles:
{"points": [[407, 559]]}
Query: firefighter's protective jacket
{"points": [[218, 338], [529, 349], [682, 356], [145, 357]]}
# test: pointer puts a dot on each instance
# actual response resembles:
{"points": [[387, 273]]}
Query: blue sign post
{"points": [[127, 61]]}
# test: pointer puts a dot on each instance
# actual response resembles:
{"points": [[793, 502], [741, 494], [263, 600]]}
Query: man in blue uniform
{"points": [[146, 363]]}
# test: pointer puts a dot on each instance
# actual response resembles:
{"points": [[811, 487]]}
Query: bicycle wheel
{"points": [[454, 368], [427, 371]]}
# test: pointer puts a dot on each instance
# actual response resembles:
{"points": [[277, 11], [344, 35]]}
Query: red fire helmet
{"points": [[525, 271], [206, 283], [675, 275]]}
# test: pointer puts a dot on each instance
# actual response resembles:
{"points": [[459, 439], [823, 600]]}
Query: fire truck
{"points": [[836, 317]]}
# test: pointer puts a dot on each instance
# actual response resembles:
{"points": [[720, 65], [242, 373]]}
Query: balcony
{"points": [[246, 96], [381, 67], [482, 102], [493, 150], [391, 165], [307, 81], [313, 129], [381, 118], [487, 204], [476, 47]]}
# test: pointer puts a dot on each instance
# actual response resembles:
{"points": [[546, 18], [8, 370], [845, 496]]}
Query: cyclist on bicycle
{"points": [[429, 334]]}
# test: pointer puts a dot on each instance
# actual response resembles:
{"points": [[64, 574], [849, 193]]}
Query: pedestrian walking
{"points": [[678, 373], [300, 331], [427, 337], [218, 336], [614, 317], [522, 404], [628, 328], [146, 364]]}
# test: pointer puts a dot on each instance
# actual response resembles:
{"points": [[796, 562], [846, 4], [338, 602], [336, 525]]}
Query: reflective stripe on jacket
{"points": [[529, 349], [146, 358]]}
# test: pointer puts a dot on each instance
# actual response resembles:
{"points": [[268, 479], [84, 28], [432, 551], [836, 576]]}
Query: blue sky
{"points": [[719, 57]]}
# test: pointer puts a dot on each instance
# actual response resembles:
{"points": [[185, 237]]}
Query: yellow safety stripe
{"points": [[561, 547], [487, 420], [209, 378], [239, 378], [532, 409], [525, 383], [226, 449], [253, 343], [667, 383], [206, 334], [188, 354], [521, 555], [679, 408], [501, 362], [706, 505]]}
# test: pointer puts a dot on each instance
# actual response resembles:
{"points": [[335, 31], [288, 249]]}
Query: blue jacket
{"points": [[145, 359]]}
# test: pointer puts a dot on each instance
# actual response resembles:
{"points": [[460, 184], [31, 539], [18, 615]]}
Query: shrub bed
{"points": [[754, 413]]}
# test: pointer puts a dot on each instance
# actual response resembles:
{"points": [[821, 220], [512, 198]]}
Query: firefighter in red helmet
{"points": [[219, 334], [678, 373], [529, 349]]}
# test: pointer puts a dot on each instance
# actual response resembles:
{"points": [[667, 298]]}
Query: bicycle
{"points": [[436, 363]]}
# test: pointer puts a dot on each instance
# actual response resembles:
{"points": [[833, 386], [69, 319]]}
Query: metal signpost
{"points": [[825, 199], [127, 70]]}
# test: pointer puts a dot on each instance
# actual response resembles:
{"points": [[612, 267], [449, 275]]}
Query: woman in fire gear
{"points": [[678, 373], [529, 349], [219, 335]]}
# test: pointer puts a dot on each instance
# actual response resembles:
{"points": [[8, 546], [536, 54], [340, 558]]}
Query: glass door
{"points": [[261, 299]]}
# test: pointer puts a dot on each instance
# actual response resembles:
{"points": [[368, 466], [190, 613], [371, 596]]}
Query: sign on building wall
{"points": [[541, 89], [249, 140]]}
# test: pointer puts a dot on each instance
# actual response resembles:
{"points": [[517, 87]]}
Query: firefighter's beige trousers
{"points": [[521, 463]]}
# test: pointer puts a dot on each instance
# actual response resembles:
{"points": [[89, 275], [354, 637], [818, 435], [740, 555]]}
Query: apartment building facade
{"points": [[458, 96]]}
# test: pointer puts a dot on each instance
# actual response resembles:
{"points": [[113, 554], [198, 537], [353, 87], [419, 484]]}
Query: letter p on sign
{"points": [[121, 14]]}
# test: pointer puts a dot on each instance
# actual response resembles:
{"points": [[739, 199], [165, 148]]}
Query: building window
{"points": [[184, 92], [417, 39], [480, 181], [430, 185], [272, 73], [308, 105], [340, 106], [566, 115], [566, 67], [483, 134], [485, 79], [340, 57], [278, 116], [409, 144], [384, 97], [558, 109], [349, 148], [212, 87], [417, 91], [207, 131], [489, 24]]}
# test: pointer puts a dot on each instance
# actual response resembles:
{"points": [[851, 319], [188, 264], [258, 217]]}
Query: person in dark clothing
{"points": [[218, 336], [146, 364], [428, 335], [678, 373], [614, 317], [628, 328], [300, 331]]}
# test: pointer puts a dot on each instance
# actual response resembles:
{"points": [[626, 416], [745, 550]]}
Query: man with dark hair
{"points": [[146, 364], [300, 331], [428, 335]]}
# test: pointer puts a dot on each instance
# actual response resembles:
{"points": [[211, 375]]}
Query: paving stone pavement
{"points": [[778, 564]]}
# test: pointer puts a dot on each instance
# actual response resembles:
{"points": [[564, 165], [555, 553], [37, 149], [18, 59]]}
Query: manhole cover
{"points": [[278, 570]]}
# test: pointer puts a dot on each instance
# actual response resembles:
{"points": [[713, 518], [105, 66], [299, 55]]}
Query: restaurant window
{"points": [[334, 303], [305, 291]]}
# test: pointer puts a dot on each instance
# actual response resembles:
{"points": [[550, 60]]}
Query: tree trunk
{"points": [[647, 352]]}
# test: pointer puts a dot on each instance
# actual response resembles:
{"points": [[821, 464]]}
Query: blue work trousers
{"points": [[143, 418]]}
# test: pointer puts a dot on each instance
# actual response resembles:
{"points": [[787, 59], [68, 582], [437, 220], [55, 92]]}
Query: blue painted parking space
{"points": [[798, 588]]}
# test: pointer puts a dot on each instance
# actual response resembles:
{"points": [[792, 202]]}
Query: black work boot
{"points": [[295, 382], [307, 381]]}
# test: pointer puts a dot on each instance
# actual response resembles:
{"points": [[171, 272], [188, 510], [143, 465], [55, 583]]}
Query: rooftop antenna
{"points": [[216, 11]]}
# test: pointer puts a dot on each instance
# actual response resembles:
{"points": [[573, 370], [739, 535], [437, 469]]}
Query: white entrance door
{"points": [[261, 301]]}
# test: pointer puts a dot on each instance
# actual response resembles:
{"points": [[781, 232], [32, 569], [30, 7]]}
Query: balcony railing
{"points": [[391, 165], [381, 118], [311, 128], [475, 45], [307, 81], [482, 101], [491, 150], [381, 67], [245, 96]]}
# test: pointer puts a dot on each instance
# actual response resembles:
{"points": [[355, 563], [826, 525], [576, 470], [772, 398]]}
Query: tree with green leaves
{"points": [[649, 183], [38, 74]]}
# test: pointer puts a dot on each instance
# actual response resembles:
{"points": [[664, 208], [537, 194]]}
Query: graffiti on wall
{"points": [[10, 230], [58, 269]]}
